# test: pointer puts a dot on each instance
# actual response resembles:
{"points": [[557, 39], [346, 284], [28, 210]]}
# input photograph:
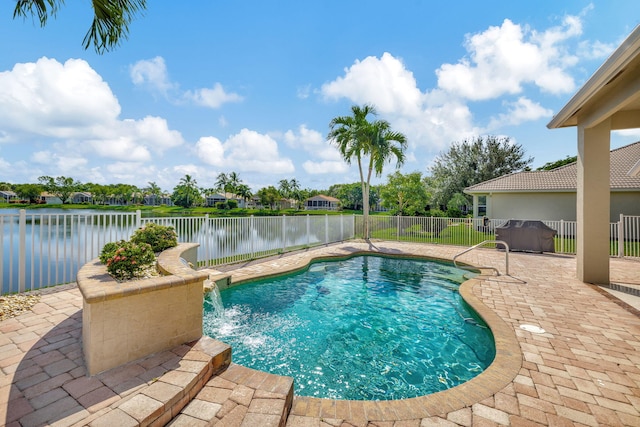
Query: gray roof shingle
{"points": [[565, 177]]}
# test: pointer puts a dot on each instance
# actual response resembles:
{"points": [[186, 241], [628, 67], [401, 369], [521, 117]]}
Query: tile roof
{"points": [[323, 197], [565, 178]]}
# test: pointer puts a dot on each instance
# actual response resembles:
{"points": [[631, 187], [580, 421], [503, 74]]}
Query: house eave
{"points": [[517, 190]]}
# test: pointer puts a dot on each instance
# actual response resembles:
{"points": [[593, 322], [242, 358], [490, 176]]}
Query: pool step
{"points": [[158, 401], [240, 396]]}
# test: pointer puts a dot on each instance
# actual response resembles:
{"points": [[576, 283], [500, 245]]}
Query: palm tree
{"points": [[110, 24], [222, 182], [244, 191], [153, 190], [294, 186], [357, 137], [234, 182], [189, 189], [284, 188]]}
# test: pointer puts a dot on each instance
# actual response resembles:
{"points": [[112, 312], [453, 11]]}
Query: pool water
{"points": [[366, 328]]}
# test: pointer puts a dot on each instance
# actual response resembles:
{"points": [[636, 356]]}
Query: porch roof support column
{"points": [[593, 203]]}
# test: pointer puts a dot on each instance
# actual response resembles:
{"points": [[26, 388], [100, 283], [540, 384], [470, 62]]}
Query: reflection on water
{"points": [[58, 242]]}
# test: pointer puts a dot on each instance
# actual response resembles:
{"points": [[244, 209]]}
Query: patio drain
{"points": [[533, 329]]}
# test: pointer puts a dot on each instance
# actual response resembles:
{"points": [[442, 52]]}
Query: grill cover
{"points": [[526, 235]]}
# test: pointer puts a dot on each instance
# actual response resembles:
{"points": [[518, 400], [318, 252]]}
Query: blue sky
{"points": [[205, 87]]}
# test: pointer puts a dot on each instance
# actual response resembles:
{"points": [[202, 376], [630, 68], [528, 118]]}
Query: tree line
{"points": [[371, 144], [464, 164]]}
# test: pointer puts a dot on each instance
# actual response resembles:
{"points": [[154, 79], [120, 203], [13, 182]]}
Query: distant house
{"points": [[212, 199], [551, 195], [154, 200], [8, 196], [49, 198], [81, 197], [322, 202]]}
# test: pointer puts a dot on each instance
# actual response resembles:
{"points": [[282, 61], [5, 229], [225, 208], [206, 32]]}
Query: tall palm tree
{"points": [[295, 191], [234, 182], [110, 24], [244, 191], [190, 185], [284, 188], [222, 182], [154, 191], [371, 143]]}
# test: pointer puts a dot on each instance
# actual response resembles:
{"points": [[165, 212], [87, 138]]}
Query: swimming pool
{"points": [[365, 328]]}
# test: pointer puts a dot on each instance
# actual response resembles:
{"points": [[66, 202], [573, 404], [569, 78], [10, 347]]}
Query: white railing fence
{"points": [[39, 250], [624, 235]]}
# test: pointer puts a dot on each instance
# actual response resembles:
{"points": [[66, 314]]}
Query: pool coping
{"points": [[500, 373]]}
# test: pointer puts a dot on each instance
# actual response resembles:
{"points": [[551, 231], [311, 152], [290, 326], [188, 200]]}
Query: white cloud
{"points": [[246, 151], [384, 82], [212, 98], [325, 167], [520, 111], [430, 119], [210, 150], [51, 99], [152, 132], [325, 158], [630, 133], [75, 109], [151, 73], [303, 92], [120, 148], [596, 49], [502, 59], [43, 157]]}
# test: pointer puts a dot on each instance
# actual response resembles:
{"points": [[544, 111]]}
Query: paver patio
{"points": [[584, 370]]}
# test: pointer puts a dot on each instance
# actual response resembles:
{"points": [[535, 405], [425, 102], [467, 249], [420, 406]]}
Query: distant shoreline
{"points": [[175, 210]]}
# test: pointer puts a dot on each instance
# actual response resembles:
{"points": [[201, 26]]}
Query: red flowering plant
{"points": [[136, 258], [127, 260]]}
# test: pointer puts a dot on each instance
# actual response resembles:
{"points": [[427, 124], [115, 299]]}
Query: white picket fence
{"points": [[39, 250]]}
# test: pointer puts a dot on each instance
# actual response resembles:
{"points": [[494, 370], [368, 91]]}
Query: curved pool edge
{"points": [[498, 375]]}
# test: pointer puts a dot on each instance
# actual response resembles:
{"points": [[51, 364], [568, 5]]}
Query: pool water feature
{"points": [[365, 328]]}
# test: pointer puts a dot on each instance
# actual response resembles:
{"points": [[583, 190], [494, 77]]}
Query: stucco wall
{"points": [[549, 206], [627, 203], [554, 206]]}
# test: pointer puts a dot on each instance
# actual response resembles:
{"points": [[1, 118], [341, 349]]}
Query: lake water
{"points": [[58, 242]]}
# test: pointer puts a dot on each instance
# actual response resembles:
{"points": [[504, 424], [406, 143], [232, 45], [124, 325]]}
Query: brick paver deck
{"points": [[584, 370]]}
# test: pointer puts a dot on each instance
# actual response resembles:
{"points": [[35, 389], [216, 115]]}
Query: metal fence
{"points": [[624, 234], [40, 250]]}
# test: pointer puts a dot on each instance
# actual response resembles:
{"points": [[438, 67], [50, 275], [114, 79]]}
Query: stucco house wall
{"points": [[542, 206], [552, 195], [554, 206]]}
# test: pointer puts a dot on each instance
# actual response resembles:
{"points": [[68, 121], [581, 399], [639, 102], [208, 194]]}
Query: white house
{"points": [[551, 195], [7, 196], [322, 202], [212, 199]]}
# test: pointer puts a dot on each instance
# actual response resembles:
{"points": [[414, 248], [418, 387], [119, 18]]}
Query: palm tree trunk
{"points": [[365, 200]]}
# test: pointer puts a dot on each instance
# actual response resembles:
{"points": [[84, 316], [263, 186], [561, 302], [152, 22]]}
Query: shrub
{"points": [[232, 204], [109, 250], [129, 259], [160, 237], [221, 205]]}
